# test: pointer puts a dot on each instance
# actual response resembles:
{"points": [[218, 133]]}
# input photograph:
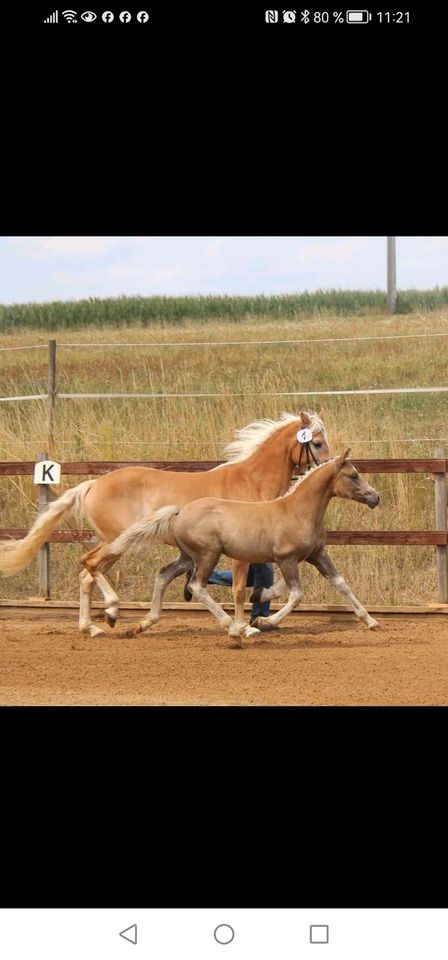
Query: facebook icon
{"points": [[108, 16]]}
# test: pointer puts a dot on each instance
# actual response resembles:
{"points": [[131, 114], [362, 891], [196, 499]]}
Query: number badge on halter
{"points": [[305, 435]]}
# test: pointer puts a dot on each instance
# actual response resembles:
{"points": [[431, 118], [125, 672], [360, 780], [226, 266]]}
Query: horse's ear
{"points": [[342, 458], [305, 420]]}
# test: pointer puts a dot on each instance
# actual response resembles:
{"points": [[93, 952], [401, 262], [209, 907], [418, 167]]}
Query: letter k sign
{"points": [[47, 471]]}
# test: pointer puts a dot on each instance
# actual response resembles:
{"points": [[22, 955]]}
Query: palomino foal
{"points": [[286, 530]]}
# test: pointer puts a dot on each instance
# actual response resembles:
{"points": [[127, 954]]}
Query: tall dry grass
{"points": [[197, 428]]}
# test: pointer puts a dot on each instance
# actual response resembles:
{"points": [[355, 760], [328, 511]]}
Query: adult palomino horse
{"points": [[260, 464], [286, 530]]}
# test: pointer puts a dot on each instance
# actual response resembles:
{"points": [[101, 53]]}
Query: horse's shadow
{"points": [[316, 644], [314, 638]]}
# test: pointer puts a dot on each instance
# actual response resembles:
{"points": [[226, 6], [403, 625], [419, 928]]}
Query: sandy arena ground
{"points": [[187, 660]]}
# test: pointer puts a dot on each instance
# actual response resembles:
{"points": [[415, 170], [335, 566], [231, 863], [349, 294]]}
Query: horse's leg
{"points": [[198, 585], [96, 562], [290, 571], [269, 593], [111, 599], [239, 581], [164, 576], [86, 583], [326, 567]]}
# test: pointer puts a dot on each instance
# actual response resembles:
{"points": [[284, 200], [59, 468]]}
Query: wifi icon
{"points": [[70, 16]]}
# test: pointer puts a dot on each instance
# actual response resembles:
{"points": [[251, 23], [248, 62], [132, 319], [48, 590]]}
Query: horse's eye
{"points": [[353, 476], [318, 445]]}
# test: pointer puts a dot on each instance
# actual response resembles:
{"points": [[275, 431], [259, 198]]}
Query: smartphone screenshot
{"points": [[223, 496]]}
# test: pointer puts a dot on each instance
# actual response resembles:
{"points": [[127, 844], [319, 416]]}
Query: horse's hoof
{"points": [[133, 632], [372, 623], [263, 624], [251, 632], [235, 629], [111, 621]]}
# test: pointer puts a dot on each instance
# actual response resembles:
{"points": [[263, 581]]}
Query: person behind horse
{"points": [[259, 575]]}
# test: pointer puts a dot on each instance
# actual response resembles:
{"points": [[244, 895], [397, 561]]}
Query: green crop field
{"points": [[161, 311], [245, 377]]}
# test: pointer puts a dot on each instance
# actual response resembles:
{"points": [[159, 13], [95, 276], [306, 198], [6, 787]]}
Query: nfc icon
{"points": [[271, 16]]}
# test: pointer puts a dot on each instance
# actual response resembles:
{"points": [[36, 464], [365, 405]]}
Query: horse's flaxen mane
{"points": [[299, 480], [249, 438]]}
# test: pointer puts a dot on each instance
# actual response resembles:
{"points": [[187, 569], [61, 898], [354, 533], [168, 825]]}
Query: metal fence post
{"points": [[43, 559], [441, 551]]}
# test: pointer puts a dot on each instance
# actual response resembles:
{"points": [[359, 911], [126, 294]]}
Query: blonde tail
{"points": [[154, 527], [16, 554]]}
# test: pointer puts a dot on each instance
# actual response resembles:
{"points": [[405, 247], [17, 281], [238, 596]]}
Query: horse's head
{"points": [[350, 485], [309, 443]]}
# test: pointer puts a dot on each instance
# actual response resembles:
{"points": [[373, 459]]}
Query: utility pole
{"points": [[391, 275]]}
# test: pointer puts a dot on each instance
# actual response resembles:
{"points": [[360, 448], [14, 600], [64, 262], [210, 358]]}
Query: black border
{"points": [[131, 807]]}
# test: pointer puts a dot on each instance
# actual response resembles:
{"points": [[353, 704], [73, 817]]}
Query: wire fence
{"points": [[51, 395], [229, 343], [227, 396]]}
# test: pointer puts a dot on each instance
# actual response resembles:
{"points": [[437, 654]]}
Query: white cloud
{"points": [[436, 243], [167, 273], [335, 250], [414, 264], [42, 247]]}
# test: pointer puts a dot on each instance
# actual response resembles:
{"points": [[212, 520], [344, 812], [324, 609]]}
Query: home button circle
{"points": [[224, 933]]}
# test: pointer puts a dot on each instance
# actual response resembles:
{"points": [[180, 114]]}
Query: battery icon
{"points": [[357, 16]]}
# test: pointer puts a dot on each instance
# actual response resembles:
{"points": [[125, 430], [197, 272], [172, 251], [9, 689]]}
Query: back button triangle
{"points": [[130, 933]]}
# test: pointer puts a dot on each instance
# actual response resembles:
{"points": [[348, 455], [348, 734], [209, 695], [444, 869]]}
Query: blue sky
{"points": [[64, 268]]}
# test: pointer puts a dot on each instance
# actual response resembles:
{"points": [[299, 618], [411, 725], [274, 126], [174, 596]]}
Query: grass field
{"points": [[196, 428]]}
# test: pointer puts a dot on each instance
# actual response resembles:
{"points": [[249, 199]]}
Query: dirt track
{"points": [[187, 660]]}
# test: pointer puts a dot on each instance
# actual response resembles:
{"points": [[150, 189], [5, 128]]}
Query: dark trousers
{"points": [[259, 575]]}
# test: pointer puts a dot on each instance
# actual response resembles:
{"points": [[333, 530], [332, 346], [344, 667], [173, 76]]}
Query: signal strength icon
{"points": [[53, 18], [70, 16]]}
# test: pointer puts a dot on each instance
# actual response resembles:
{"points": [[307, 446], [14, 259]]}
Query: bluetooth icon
{"points": [[305, 16]]}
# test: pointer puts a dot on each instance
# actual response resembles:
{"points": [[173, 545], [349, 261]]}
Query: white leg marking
{"points": [[111, 599], [342, 586], [86, 582], [295, 596], [202, 596]]}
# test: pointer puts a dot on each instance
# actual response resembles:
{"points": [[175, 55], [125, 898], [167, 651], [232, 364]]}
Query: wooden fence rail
{"points": [[438, 466], [94, 467]]}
